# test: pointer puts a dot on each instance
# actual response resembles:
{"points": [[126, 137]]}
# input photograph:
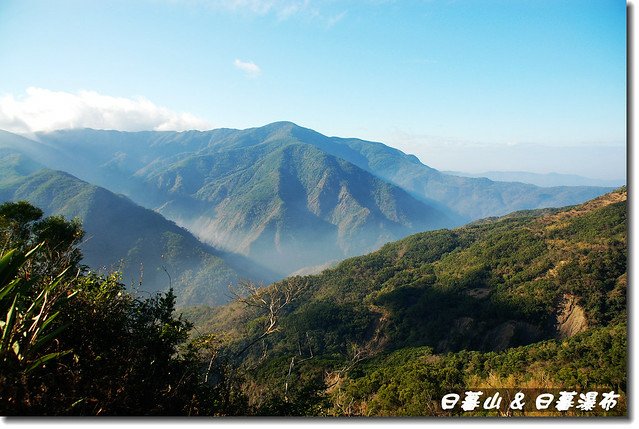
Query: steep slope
{"points": [[491, 285], [472, 198], [122, 235], [259, 192], [289, 205], [268, 192], [485, 306]]}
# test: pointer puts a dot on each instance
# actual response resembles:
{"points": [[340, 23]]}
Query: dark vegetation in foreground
{"points": [[534, 299], [76, 342]]}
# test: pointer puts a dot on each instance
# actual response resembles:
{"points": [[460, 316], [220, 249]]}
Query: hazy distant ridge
{"points": [[285, 196], [542, 179]]}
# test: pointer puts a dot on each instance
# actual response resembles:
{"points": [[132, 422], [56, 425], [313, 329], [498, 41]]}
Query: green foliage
{"points": [[143, 374], [502, 280], [609, 222], [296, 388], [29, 312], [326, 327], [77, 343], [479, 304], [17, 219], [409, 382]]}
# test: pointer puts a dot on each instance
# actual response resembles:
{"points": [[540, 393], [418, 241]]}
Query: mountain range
{"points": [[151, 252], [541, 179], [505, 279], [534, 299], [279, 198]]}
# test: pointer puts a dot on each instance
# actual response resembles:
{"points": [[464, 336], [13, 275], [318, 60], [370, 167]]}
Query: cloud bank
{"points": [[45, 110]]}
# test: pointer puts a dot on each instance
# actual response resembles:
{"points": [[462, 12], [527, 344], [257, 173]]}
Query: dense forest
{"points": [[535, 299], [263, 193]]}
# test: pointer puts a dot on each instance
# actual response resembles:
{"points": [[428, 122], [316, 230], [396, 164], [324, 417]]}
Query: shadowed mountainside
{"points": [[509, 281], [147, 248], [282, 195]]}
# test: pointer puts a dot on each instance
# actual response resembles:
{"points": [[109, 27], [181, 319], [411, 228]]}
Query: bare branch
{"points": [[268, 300]]}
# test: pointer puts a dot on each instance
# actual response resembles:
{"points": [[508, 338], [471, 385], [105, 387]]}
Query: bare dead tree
{"points": [[269, 301], [299, 360], [356, 354], [288, 376], [344, 408]]}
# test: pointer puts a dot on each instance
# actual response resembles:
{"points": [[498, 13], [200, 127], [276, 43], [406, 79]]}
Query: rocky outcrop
{"points": [[571, 318]]}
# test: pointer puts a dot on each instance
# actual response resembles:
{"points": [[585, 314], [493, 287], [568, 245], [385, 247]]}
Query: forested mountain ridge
{"points": [[150, 251], [257, 192], [470, 198], [265, 192], [531, 276], [271, 206]]}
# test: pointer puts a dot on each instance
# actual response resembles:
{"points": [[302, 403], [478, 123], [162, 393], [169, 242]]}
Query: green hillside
{"points": [[470, 198], [288, 205], [260, 193], [462, 198], [411, 381], [151, 251], [554, 275], [267, 192]]}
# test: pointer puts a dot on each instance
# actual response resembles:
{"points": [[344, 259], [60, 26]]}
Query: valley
{"points": [[264, 194]]}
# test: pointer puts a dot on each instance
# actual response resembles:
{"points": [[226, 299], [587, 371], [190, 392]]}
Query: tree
{"points": [[16, 220], [77, 343], [269, 302]]}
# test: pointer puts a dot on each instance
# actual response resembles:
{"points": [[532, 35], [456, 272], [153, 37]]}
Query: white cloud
{"points": [[249, 67], [44, 110]]}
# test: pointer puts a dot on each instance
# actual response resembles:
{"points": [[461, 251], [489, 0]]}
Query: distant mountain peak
{"points": [[267, 189], [281, 124]]}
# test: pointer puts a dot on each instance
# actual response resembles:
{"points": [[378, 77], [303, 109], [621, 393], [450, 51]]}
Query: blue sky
{"points": [[428, 77]]}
